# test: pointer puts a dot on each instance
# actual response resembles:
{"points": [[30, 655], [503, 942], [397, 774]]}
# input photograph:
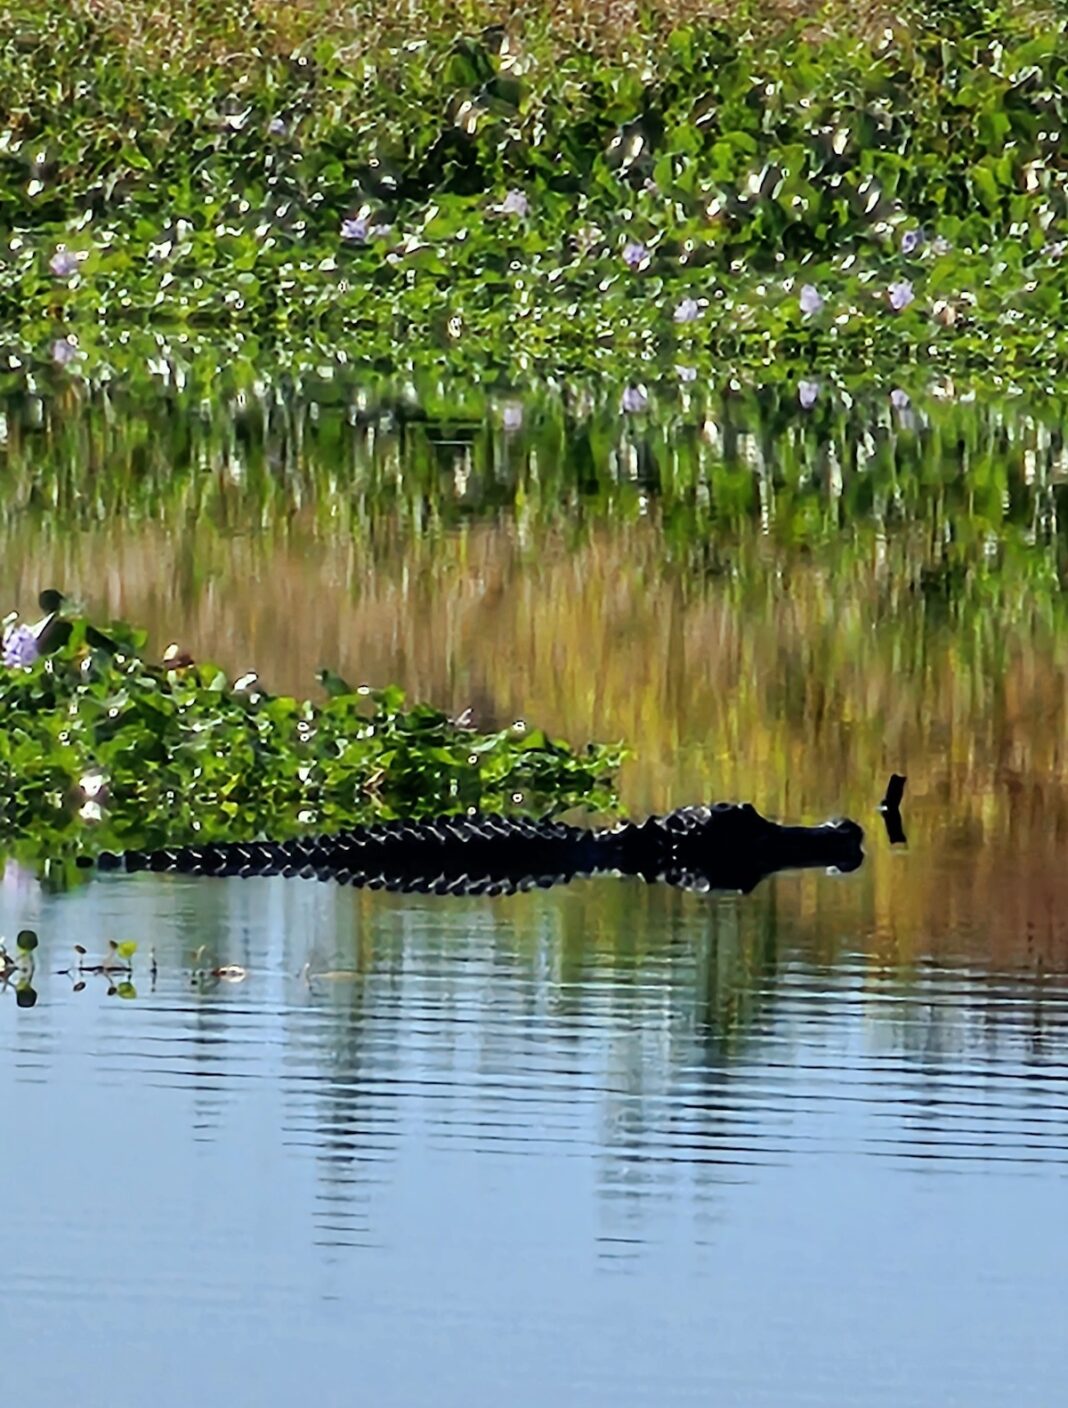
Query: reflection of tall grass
{"points": [[766, 608]]}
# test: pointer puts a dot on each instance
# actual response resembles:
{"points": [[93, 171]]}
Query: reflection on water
{"points": [[765, 603], [611, 1143], [614, 1142]]}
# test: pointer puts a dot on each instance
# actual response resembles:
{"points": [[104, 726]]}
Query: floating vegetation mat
{"points": [[476, 197], [99, 748]]}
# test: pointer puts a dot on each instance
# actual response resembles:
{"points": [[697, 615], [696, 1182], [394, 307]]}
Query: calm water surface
{"points": [[609, 1144]]}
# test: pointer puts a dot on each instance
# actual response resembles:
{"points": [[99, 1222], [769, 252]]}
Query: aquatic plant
{"points": [[810, 299], [515, 203], [115, 967], [17, 969], [900, 295], [384, 193], [355, 228], [100, 747], [19, 647]]}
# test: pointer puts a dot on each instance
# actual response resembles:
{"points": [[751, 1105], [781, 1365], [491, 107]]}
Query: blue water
{"points": [[610, 1144]]}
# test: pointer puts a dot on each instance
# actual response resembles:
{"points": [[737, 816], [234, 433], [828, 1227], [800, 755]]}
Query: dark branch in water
{"points": [[890, 807], [895, 790]]}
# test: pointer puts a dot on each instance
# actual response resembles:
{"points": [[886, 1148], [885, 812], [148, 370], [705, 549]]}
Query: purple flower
{"points": [[911, 241], [807, 392], [899, 399], [686, 374], [354, 227], [810, 300], [277, 127], [635, 398], [63, 263], [63, 351], [20, 647], [687, 311], [512, 417], [900, 295], [634, 254], [1055, 249], [515, 203]]}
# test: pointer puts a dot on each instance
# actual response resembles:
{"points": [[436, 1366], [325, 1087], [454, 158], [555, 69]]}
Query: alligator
{"points": [[727, 846]]}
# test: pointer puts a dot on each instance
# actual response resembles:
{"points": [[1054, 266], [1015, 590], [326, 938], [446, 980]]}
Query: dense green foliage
{"points": [[490, 200], [102, 750]]}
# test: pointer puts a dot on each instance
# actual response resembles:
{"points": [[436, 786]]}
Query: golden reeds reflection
{"points": [[762, 604], [799, 682]]}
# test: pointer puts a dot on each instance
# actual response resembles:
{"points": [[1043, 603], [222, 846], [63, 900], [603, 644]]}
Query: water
{"points": [[609, 1143]]}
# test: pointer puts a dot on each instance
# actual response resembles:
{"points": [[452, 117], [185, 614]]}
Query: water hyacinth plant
{"points": [[63, 263], [323, 183], [355, 228], [18, 649], [515, 203], [100, 747], [900, 295], [808, 394], [64, 351]]}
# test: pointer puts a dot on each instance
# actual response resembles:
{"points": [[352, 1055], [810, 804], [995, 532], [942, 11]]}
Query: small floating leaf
{"points": [[125, 990], [127, 949], [26, 941]]}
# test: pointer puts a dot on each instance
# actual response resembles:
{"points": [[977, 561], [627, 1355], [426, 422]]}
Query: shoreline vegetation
{"points": [[658, 193], [102, 749]]}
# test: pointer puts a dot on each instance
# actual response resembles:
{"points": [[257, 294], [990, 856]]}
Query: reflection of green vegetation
{"points": [[468, 197], [977, 488], [154, 756], [737, 971], [764, 601]]}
